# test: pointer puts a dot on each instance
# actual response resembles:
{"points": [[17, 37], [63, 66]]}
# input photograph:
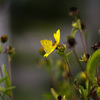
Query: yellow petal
{"points": [[46, 55], [57, 36]]}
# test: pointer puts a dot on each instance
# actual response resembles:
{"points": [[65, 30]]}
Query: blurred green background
{"points": [[26, 22]]}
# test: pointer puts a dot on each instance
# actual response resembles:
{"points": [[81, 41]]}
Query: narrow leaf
{"points": [[2, 79], [92, 64], [7, 80], [0, 49], [74, 32], [79, 24], [2, 89], [98, 92], [54, 93], [67, 56], [8, 91], [83, 92]]}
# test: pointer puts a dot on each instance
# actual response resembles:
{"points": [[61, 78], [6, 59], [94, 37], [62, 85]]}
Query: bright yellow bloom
{"points": [[48, 45]]}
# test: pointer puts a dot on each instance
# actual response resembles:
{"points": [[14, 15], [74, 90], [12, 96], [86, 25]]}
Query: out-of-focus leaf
{"points": [[7, 80], [54, 93], [74, 32], [98, 92], [8, 91], [47, 96], [79, 24], [0, 49], [92, 64], [2, 79], [83, 92], [2, 89], [67, 56], [88, 85]]}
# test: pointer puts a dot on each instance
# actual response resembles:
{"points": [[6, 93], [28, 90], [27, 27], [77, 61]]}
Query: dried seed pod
{"points": [[4, 38], [73, 11], [87, 56], [71, 42], [60, 97], [96, 46]]}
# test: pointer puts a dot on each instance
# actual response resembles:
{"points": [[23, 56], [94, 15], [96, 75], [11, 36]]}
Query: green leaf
{"points": [[83, 92], [47, 96], [98, 92], [54, 93], [67, 56], [0, 49], [74, 32], [79, 24], [92, 64], [8, 91], [2, 89], [2, 79], [88, 86], [7, 80]]}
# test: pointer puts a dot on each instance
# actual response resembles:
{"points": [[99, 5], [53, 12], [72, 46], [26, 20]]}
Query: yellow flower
{"points": [[48, 45]]}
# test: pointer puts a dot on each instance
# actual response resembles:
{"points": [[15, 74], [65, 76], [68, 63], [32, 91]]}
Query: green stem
{"points": [[78, 60], [70, 72], [10, 74], [69, 84]]}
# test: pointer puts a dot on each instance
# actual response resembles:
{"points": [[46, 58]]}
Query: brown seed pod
{"points": [[4, 38], [73, 11], [71, 42]]}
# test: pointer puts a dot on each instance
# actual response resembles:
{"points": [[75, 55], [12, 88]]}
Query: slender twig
{"points": [[10, 74], [69, 83], [78, 60], [83, 42], [71, 74]]}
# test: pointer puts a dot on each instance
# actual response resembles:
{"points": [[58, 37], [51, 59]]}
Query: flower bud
{"points": [[82, 26], [10, 50], [96, 46], [59, 97], [4, 38], [71, 42], [83, 76], [75, 25], [85, 57], [61, 48], [73, 11]]}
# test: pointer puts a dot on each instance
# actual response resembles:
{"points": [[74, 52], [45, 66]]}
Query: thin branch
{"points": [[83, 42], [78, 60]]}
